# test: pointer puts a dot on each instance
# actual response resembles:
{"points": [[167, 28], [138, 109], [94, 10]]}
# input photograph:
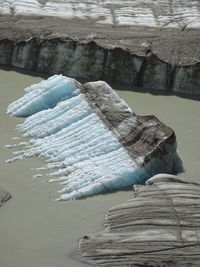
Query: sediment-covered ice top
{"points": [[77, 132]]}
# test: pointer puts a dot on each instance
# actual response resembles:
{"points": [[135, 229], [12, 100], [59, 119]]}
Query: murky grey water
{"points": [[35, 231]]}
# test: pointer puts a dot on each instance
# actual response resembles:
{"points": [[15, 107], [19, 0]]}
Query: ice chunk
{"points": [[89, 137], [94, 159]]}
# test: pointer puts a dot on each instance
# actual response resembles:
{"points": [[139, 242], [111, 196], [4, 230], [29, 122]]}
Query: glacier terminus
{"points": [[91, 140]]}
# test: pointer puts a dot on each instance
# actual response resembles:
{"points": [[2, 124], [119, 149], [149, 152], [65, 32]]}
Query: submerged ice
{"points": [[86, 156]]}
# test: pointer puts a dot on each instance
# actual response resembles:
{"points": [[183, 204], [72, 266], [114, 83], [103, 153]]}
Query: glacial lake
{"points": [[35, 230]]}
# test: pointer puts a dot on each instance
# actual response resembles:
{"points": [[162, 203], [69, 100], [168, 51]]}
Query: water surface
{"points": [[35, 230]]}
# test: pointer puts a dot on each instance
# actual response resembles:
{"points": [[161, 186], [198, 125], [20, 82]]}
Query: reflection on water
{"points": [[35, 230]]}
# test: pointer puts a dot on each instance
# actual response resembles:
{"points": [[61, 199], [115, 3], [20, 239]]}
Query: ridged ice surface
{"points": [[152, 13], [87, 156], [43, 95]]}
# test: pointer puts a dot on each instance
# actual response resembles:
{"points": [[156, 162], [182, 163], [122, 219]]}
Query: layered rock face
{"points": [[158, 227], [92, 138], [149, 44]]}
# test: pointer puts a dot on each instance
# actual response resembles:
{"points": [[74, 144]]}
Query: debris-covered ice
{"points": [[86, 155]]}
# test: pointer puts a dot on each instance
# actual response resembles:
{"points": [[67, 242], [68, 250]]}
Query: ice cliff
{"points": [[151, 45], [92, 138]]}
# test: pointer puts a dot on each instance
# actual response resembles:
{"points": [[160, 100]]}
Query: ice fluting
{"points": [[74, 128]]}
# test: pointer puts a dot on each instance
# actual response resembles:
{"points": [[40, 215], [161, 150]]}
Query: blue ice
{"points": [[44, 95], [72, 138]]}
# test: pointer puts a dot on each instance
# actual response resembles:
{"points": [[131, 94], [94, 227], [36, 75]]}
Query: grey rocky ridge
{"points": [[149, 44], [158, 227]]}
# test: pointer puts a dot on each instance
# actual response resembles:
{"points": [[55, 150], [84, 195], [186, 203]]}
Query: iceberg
{"points": [[91, 137]]}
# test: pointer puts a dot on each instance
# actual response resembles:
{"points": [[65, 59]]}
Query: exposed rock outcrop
{"points": [[158, 227]]}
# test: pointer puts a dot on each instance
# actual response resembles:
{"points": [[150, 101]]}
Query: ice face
{"points": [[87, 156], [44, 95]]}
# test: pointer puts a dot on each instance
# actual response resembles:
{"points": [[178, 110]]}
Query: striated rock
{"points": [[152, 45], [4, 196], [158, 227], [96, 142]]}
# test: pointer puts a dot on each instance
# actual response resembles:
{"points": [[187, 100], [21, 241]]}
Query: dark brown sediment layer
{"points": [[145, 138]]}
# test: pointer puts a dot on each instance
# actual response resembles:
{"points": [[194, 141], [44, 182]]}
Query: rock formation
{"points": [[147, 44], [158, 227], [96, 142]]}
